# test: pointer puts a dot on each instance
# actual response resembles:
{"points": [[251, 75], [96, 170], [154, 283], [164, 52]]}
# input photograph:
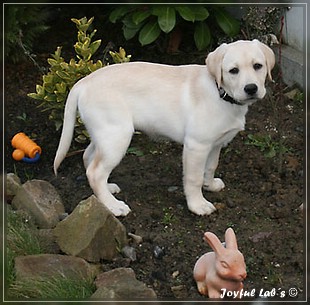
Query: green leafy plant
{"points": [[135, 151], [54, 288], [63, 75], [20, 240], [22, 25], [150, 20], [168, 217], [266, 144]]}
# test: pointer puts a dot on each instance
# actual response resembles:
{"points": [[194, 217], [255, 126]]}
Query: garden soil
{"points": [[261, 200]]}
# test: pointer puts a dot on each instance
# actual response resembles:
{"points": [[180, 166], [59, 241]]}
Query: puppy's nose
{"points": [[250, 89]]}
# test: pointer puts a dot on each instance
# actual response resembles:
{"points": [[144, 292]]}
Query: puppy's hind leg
{"points": [[88, 154], [109, 151], [87, 158]]}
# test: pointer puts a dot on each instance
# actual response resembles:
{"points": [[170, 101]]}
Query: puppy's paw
{"points": [[202, 207], [215, 185], [113, 188], [119, 208]]}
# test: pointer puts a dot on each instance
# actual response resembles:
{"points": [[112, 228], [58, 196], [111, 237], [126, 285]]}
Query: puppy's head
{"points": [[241, 68]]}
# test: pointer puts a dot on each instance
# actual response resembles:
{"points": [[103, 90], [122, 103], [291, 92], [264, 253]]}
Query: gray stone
{"points": [[41, 200], [91, 231], [53, 265], [180, 291], [292, 64], [121, 284], [48, 241], [13, 184]]}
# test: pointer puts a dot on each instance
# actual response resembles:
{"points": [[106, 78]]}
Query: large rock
{"points": [[13, 184], [121, 284], [47, 241], [91, 231], [53, 265], [41, 200]]}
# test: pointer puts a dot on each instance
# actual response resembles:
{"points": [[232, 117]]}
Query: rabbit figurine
{"points": [[222, 269]]}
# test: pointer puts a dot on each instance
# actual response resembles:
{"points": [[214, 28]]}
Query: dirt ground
{"points": [[260, 202]]}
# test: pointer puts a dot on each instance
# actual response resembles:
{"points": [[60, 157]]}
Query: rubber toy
{"points": [[26, 150], [222, 269]]}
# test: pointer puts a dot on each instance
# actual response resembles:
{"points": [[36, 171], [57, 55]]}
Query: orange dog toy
{"points": [[25, 146]]}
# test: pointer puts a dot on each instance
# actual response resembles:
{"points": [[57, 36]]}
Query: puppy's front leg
{"points": [[210, 183], [194, 159]]}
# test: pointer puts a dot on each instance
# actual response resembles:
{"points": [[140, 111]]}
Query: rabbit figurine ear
{"points": [[214, 242], [230, 239]]}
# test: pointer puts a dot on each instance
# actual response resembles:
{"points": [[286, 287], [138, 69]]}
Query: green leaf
{"points": [[167, 20], [130, 29], [202, 36], [186, 13], [58, 124], [135, 151], [52, 62], [76, 21], [61, 87], [140, 16], [201, 13], [226, 22], [63, 75], [94, 46], [48, 79], [57, 54], [95, 66], [270, 153], [35, 96], [119, 13], [149, 33], [130, 32], [50, 98]]}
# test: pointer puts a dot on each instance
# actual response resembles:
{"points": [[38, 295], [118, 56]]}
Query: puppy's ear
{"points": [[214, 62], [269, 55]]}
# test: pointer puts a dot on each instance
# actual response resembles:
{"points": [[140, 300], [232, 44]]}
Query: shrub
{"points": [[23, 24], [63, 75], [150, 20]]}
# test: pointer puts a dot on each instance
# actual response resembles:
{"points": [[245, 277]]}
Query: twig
{"points": [[27, 53], [280, 99], [76, 152]]}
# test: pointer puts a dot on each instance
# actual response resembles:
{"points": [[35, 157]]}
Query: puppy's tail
{"points": [[67, 128]]}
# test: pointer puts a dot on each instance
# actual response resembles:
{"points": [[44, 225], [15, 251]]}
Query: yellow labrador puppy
{"points": [[201, 106]]}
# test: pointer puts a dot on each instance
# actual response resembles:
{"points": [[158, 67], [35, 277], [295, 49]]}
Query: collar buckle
{"points": [[223, 95]]}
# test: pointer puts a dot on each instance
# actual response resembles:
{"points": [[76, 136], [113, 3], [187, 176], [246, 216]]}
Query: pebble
{"points": [[178, 288], [138, 239], [81, 178], [172, 189], [230, 203], [63, 216], [158, 252], [175, 274], [129, 252]]}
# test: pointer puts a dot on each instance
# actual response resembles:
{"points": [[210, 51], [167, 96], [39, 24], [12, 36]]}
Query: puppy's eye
{"points": [[234, 71], [257, 66]]}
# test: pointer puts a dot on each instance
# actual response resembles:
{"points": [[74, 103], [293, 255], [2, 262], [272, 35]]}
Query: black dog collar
{"points": [[223, 95]]}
